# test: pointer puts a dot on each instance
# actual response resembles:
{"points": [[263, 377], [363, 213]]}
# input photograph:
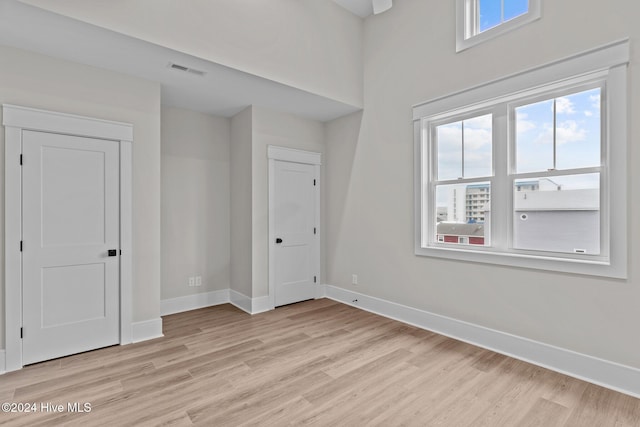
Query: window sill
{"points": [[589, 267]]}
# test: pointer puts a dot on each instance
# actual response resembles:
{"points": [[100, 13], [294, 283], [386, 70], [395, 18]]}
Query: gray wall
{"points": [[285, 130], [39, 81], [252, 131], [309, 44], [410, 58], [195, 202], [241, 204]]}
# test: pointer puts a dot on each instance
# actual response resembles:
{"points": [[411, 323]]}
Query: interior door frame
{"points": [[16, 119], [276, 153]]}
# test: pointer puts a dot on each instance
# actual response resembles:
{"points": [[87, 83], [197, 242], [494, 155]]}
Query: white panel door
{"points": [[70, 193], [295, 250]]}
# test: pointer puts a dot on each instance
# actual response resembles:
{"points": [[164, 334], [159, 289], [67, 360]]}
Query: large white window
{"points": [[529, 170], [480, 20]]}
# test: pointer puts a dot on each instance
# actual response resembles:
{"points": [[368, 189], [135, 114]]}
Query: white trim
{"points": [[321, 291], [68, 124], [612, 375], [275, 153], [209, 299], [600, 58], [241, 301], [271, 234], [293, 155], [467, 34], [16, 119], [250, 305], [2, 362], [147, 330], [194, 302], [12, 256], [261, 304], [608, 63], [126, 241]]}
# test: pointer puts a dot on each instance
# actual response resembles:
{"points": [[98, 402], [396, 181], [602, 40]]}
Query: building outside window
{"points": [[529, 170]]}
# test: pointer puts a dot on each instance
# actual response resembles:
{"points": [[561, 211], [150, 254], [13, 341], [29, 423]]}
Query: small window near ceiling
{"points": [[480, 20]]}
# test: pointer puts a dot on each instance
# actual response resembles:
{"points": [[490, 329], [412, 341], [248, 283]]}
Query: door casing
{"points": [[15, 120], [275, 153]]}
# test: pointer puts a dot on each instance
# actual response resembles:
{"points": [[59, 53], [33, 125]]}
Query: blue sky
{"points": [[577, 138], [577, 141], [577, 133], [491, 11], [577, 129]]}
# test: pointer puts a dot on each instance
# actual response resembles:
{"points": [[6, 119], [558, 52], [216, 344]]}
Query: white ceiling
{"points": [[362, 8], [221, 91]]}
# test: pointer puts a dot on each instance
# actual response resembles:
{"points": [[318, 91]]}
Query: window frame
{"points": [[579, 84], [468, 33], [606, 64]]}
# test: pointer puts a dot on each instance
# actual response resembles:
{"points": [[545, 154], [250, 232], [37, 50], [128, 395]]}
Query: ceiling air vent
{"points": [[186, 69]]}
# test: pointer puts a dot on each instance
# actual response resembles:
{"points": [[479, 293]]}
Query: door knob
{"points": [[278, 240]]}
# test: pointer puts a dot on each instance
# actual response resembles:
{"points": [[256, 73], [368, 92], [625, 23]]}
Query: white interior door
{"points": [[70, 220], [295, 226]]}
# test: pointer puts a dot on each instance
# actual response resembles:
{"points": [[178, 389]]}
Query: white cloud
{"points": [[475, 139], [569, 131], [545, 136], [588, 113], [482, 122], [595, 101], [566, 131], [477, 147], [449, 139], [522, 124], [564, 106], [477, 134]]}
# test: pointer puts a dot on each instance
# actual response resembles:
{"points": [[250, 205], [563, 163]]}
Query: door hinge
{"points": [[20, 245], [120, 251], [314, 230], [21, 334], [20, 159], [314, 279], [314, 181]]}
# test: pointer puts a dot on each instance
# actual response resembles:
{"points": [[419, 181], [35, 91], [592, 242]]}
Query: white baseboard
{"points": [[250, 305], [208, 299], [147, 330], [260, 305], [615, 376], [241, 301], [321, 291], [3, 363], [193, 302]]}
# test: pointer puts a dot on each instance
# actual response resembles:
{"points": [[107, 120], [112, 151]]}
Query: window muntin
{"points": [[559, 133], [534, 140], [558, 136], [480, 20], [605, 67], [492, 13], [551, 187], [463, 152], [465, 148], [579, 131]]}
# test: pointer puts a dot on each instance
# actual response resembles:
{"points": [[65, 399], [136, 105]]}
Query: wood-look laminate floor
{"points": [[317, 362]]}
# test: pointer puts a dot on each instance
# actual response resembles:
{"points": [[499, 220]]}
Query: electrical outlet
{"points": [[198, 280], [192, 281], [354, 279]]}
